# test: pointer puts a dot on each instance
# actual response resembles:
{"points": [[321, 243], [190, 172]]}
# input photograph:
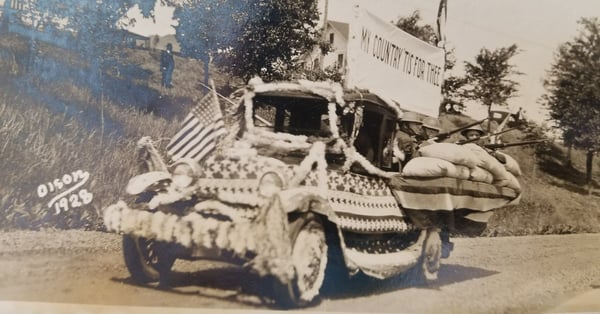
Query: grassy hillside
{"points": [[55, 119]]}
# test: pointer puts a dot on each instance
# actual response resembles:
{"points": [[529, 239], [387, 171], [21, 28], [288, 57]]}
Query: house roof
{"points": [[341, 27], [134, 35]]}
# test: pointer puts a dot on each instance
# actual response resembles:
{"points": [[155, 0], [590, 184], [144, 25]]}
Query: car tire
{"points": [[309, 257], [146, 260]]}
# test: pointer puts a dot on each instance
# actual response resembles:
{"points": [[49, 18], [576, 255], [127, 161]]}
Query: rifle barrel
{"points": [[445, 135], [484, 137], [503, 145]]}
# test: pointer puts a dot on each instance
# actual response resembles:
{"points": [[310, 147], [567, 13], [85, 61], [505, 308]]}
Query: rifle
{"points": [[443, 136], [484, 137], [503, 145]]}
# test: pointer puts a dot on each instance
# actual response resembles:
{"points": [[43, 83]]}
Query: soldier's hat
{"points": [[432, 123], [476, 127], [411, 117]]}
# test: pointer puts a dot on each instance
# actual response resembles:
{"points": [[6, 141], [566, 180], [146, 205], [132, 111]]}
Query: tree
{"points": [[273, 35], [204, 27], [411, 25], [573, 92], [452, 101], [487, 80], [95, 27], [248, 37]]}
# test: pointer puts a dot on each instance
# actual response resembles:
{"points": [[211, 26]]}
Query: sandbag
{"points": [[511, 164], [481, 175], [428, 167], [488, 162], [454, 153], [462, 172], [513, 183], [510, 182]]}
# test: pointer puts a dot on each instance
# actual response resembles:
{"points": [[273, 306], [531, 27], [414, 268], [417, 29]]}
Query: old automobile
{"points": [[305, 178]]}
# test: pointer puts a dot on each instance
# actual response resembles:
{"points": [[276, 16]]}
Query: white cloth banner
{"points": [[394, 64]]}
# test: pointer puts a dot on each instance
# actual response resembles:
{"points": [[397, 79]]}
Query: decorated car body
{"points": [[305, 169]]}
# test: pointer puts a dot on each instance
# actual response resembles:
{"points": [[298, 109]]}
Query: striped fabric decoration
{"points": [[201, 129]]}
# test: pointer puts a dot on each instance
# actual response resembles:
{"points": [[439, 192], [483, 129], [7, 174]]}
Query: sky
{"points": [[538, 27]]}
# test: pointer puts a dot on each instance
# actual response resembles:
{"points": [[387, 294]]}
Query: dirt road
{"points": [[483, 275]]}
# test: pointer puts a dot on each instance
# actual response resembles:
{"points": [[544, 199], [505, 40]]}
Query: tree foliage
{"points": [[573, 87], [410, 24], [487, 80], [205, 27], [94, 27], [248, 37]]}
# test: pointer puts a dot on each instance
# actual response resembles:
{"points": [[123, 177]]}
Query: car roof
{"points": [[365, 96], [291, 94], [322, 90]]}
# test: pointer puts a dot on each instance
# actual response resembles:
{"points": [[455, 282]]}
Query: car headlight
{"points": [[183, 174], [270, 184]]}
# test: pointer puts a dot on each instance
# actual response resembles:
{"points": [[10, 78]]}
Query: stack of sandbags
{"points": [[500, 174], [431, 167], [469, 162]]}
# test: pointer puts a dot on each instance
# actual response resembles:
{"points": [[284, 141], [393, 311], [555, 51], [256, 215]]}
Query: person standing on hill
{"points": [[167, 65]]}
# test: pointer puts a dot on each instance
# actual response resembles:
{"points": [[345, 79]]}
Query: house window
{"points": [[331, 37], [316, 64], [340, 60]]}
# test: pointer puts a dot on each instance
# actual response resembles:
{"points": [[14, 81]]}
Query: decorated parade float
{"points": [[301, 176], [304, 178]]}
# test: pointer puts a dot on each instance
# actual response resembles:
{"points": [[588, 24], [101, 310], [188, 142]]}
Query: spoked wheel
{"points": [[147, 260], [309, 257], [431, 255]]}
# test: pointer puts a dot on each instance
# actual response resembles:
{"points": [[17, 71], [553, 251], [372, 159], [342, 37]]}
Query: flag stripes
{"points": [[201, 129]]}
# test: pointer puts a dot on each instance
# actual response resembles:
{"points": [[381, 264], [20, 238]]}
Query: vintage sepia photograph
{"points": [[326, 156]]}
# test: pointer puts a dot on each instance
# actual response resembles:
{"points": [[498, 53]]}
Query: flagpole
{"points": [[443, 8], [212, 88]]}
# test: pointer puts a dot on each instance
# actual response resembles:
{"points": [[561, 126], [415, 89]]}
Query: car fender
{"points": [[306, 198], [140, 183]]}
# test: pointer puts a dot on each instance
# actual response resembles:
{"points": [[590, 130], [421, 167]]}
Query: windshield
{"points": [[295, 115]]}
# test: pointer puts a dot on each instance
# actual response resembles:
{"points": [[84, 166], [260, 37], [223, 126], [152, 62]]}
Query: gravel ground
{"points": [[483, 275]]}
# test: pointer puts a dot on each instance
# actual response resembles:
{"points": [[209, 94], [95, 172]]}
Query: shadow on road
{"points": [[237, 285], [362, 285], [451, 273], [228, 284]]}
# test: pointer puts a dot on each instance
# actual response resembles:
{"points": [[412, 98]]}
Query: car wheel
{"points": [[146, 260], [309, 257]]}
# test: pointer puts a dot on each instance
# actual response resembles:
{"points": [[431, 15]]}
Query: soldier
{"points": [[431, 129], [409, 128], [473, 133]]}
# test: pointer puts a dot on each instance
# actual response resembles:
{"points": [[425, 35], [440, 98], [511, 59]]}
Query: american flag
{"points": [[200, 131]]}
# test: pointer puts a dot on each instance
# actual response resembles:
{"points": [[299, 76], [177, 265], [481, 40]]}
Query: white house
{"points": [[336, 34]]}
